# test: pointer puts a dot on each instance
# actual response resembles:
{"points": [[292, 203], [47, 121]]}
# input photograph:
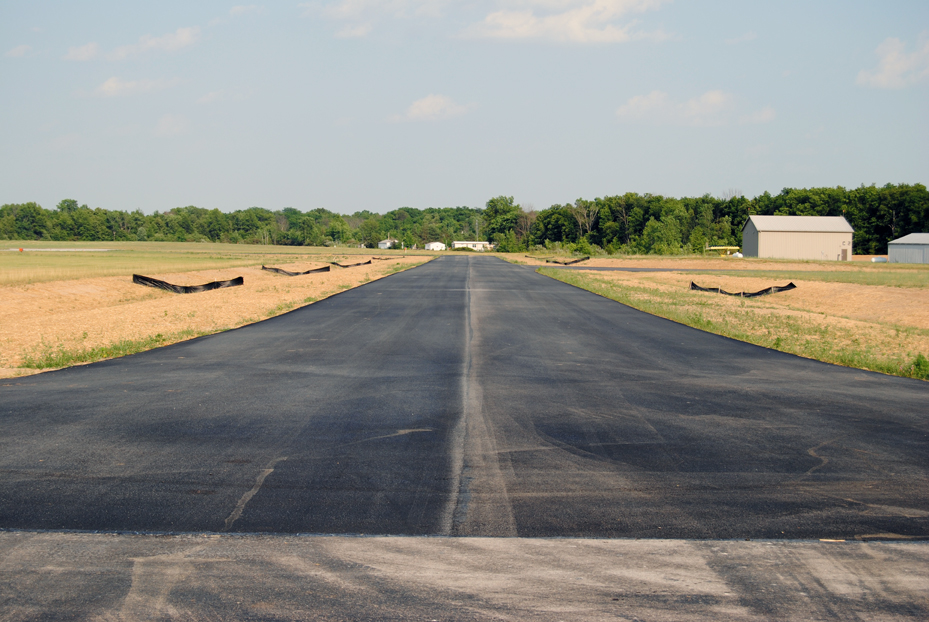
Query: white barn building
{"points": [[798, 237], [913, 248], [435, 246]]}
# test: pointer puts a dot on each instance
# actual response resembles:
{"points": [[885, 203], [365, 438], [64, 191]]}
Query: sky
{"points": [[377, 104]]}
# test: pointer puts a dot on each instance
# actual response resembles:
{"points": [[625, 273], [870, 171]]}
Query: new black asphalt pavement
{"points": [[467, 396]]}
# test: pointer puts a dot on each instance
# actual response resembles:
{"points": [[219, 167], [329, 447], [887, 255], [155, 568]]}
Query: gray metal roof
{"points": [[913, 238], [815, 224]]}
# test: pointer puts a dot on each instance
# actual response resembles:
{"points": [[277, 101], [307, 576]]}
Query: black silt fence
{"points": [[351, 265], [185, 289], [289, 273], [566, 262], [771, 290]]}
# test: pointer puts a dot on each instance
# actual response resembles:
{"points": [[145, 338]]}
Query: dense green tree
{"points": [[500, 216], [30, 221], [370, 232], [215, 226], [67, 206], [622, 223], [338, 230]]}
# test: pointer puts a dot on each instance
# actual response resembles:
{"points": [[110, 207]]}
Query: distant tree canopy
{"points": [[629, 223]]}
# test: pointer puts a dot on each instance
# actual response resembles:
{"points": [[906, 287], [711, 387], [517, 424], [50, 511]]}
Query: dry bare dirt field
{"points": [[76, 315]]}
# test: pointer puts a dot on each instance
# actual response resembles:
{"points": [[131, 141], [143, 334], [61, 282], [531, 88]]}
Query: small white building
{"points": [[798, 237], [913, 248], [478, 246], [435, 246], [385, 244]]}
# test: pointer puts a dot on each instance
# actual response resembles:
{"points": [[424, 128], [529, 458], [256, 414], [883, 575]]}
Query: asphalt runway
{"points": [[467, 397]]}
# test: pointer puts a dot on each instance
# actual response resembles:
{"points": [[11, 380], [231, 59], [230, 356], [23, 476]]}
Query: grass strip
{"points": [[404, 266], [794, 334], [53, 357]]}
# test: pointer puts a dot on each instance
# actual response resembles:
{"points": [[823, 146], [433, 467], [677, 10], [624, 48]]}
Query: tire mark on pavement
{"points": [[824, 460], [395, 434], [240, 506]]}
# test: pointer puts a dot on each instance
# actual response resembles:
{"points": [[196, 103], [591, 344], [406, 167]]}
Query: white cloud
{"points": [[212, 96], [896, 69], [579, 21], [712, 108], [765, 115], [582, 21], [171, 42], [748, 36], [642, 106], [82, 52], [707, 109], [362, 15], [171, 125], [18, 51], [432, 108], [115, 87], [366, 9], [355, 32], [245, 9]]}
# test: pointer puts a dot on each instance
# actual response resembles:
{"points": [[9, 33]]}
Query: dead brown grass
{"points": [[864, 303]]}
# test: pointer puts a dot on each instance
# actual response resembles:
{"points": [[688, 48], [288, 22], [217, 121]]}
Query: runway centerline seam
{"points": [[456, 442]]}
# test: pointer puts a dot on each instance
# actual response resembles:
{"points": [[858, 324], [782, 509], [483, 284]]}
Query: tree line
{"points": [[628, 224]]}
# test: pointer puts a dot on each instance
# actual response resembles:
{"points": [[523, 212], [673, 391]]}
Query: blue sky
{"points": [[377, 104]]}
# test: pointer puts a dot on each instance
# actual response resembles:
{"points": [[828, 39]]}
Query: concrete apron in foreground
{"points": [[129, 577]]}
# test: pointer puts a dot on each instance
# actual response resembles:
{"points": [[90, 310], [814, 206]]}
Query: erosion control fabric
{"points": [[566, 262], [771, 290], [289, 273], [351, 265], [185, 289]]}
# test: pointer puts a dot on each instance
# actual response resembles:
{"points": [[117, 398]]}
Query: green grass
{"points": [[283, 307], [53, 357], [401, 267], [794, 334]]}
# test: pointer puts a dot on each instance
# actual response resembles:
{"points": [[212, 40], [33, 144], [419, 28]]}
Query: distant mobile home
{"points": [[913, 248], [435, 246], [798, 237], [478, 246]]}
